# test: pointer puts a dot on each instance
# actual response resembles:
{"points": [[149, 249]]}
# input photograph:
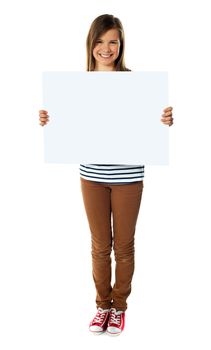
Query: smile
{"points": [[105, 56]]}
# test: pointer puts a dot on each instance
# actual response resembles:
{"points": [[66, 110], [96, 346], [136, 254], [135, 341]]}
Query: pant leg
{"points": [[97, 203], [125, 202]]}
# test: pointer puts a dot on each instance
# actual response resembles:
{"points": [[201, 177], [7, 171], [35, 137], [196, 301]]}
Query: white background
{"points": [[47, 296]]}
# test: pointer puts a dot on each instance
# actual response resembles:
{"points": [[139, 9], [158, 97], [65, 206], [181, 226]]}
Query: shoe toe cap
{"points": [[95, 329], [113, 330]]}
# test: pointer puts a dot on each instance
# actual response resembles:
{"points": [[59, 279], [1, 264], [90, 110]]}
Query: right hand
{"points": [[43, 117]]}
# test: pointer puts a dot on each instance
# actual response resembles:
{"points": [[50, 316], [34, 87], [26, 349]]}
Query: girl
{"points": [[111, 194]]}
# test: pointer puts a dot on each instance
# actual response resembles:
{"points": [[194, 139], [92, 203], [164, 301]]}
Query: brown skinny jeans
{"points": [[120, 203]]}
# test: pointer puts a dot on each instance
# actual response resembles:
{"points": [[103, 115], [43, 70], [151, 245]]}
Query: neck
{"points": [[105, 68]]}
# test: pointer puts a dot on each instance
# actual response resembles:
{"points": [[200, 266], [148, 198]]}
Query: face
{"points": [[106, 50]]}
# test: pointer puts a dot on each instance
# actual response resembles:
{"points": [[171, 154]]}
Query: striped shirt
{"points": [[112, 173]]}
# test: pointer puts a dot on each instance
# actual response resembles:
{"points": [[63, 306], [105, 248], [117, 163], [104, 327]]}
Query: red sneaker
{"points": [[99, 323], [116, 322]]}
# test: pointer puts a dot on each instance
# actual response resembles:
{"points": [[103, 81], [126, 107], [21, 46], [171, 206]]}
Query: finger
{"points": [[166, 114], [164, 121], [43, 118], [43, 111], [167, 119], [168, 109], [42, 115]]}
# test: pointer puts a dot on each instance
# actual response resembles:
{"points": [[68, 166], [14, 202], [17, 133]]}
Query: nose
{"points": [[106, 47]]}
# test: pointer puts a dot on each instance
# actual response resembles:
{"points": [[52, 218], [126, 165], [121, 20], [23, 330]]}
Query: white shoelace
{"points": [[115, 316], [100, 315]]}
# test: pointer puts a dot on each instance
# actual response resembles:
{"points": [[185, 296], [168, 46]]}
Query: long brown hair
{"points": [[99, 26]]}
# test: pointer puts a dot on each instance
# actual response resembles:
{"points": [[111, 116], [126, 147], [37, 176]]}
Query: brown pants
{"points": [[123, 202]]}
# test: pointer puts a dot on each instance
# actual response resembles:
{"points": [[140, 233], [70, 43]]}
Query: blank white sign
{"points": [[105, 117]]}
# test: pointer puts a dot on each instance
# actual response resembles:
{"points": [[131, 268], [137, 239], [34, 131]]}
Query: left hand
{"points": [[167, 116]]}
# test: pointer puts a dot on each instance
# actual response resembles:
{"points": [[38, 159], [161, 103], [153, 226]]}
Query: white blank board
{"points": [[105, 117]]}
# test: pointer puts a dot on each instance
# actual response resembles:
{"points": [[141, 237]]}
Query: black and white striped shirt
{"points": [[112, 173]]}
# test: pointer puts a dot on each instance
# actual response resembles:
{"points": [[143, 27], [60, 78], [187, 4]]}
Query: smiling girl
{"points": [[111, 194]]}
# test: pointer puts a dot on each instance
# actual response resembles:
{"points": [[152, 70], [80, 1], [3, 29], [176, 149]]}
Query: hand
{"points": [[43, 117], [167, 116]]}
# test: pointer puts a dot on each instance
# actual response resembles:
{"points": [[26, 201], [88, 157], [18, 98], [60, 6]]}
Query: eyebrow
{"points": [[109, 40]]}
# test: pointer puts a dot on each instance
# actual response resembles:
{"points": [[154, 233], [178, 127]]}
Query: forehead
{"points": [[110, 34]]}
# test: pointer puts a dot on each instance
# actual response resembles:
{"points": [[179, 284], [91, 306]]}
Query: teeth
{"points": [[106, 56]]}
